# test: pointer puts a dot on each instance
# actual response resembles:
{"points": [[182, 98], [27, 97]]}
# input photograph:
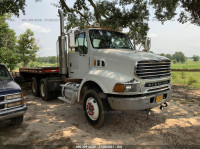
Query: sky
{"points": [[42, 18]]}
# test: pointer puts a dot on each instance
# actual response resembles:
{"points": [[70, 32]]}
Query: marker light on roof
{"points": [[96, 25]]}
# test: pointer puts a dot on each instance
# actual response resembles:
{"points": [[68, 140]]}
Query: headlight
{"points": [[15, 96], [9, 105], [127, 87]]}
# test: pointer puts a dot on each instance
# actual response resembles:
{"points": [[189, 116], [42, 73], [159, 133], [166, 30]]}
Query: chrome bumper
{"points": [[13, 112], [127, 103]]}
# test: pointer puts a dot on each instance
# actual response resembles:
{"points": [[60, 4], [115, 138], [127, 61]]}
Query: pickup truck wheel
{"points": [[35, 87], [96, 109], [17, 121], [44, 92]]}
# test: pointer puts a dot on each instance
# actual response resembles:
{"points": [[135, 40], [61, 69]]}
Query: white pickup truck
{"points": [[100, 69]]}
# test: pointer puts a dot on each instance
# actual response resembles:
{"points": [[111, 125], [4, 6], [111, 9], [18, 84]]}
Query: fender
{"points": [[105, 79]]}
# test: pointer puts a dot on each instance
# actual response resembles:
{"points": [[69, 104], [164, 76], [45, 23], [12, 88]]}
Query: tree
{"points": [[167, 9], [132, 14], [8, 52], [179, 57], [52, 59], [110, 14], [195, 58], [12, 6], [27, 47]]}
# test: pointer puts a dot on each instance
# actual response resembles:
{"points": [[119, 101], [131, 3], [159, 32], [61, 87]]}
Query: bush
{"points": [[174, 61], [192, 81]]}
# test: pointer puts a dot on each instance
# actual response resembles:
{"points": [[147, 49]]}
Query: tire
{"points": [[45, 93], [17, 121], [35, 87], [97, 110]]}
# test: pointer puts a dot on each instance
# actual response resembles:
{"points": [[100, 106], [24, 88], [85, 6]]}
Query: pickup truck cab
{"points": [[11, 98]]}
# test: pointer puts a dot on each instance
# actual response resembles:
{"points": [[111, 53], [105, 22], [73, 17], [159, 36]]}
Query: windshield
{"points": [[4, 74], [101, 39]]}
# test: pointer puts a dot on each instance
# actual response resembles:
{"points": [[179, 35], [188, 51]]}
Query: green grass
{"points": [[189, 64], [188, 79]]}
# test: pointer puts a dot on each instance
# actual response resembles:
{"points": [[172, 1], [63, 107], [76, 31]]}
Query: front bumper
{"points": [[128, 103], [13, 112]]}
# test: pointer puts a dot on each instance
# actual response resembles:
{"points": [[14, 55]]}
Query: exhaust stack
{"points": [[62, 47]]}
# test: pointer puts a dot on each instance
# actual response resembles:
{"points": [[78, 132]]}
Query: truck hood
{"points": [[128, 54], [9, 87]]}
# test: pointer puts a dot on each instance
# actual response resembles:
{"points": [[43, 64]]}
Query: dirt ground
{"points": [[59, 123]]}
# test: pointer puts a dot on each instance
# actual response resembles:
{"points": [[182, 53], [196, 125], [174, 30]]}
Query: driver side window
{"points": [[81, 43]]}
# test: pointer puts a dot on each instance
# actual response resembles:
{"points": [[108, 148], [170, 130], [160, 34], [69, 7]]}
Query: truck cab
{"points": [[12, 105]]}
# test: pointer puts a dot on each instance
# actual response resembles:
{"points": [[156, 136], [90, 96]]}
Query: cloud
{"points": [[33, 27], [153, 35]]}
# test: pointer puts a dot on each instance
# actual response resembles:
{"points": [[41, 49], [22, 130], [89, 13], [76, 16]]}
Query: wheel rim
{"points": [[92, 108], [33, 87], [42, 89]]}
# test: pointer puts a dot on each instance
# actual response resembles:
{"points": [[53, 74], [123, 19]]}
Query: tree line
{"points": [[13, 49], [179, 57], [48, 59]]}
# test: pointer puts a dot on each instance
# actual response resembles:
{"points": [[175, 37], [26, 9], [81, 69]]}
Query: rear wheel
{"points": [[44, 92], [96, 109], [35, 87], [17, 121]]}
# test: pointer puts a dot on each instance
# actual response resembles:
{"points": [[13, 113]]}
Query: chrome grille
{"points": [[153, 69]]}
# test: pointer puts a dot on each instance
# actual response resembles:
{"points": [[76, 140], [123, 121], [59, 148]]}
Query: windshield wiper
{"points": [[125, 47]]}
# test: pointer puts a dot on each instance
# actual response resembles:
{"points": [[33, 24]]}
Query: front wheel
{"points": [[96, 109]]}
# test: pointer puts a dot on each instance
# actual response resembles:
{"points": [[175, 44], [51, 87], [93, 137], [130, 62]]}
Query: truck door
{"points": [[79, 59]]}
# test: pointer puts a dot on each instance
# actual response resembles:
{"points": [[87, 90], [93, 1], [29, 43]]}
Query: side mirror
{"points": [[147, 44], [71, 39]]}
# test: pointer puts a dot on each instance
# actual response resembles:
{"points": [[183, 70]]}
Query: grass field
{"points": [[187, 79], [189, 64]]}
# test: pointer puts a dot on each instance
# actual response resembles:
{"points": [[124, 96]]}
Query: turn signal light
{"points": [[22, 95], [119, 88], [22, 102]]}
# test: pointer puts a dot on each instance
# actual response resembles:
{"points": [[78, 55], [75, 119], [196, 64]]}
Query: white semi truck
{"points": [[100, 69]]}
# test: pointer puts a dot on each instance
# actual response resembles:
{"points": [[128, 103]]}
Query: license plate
{"points": [[159, 98]]}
